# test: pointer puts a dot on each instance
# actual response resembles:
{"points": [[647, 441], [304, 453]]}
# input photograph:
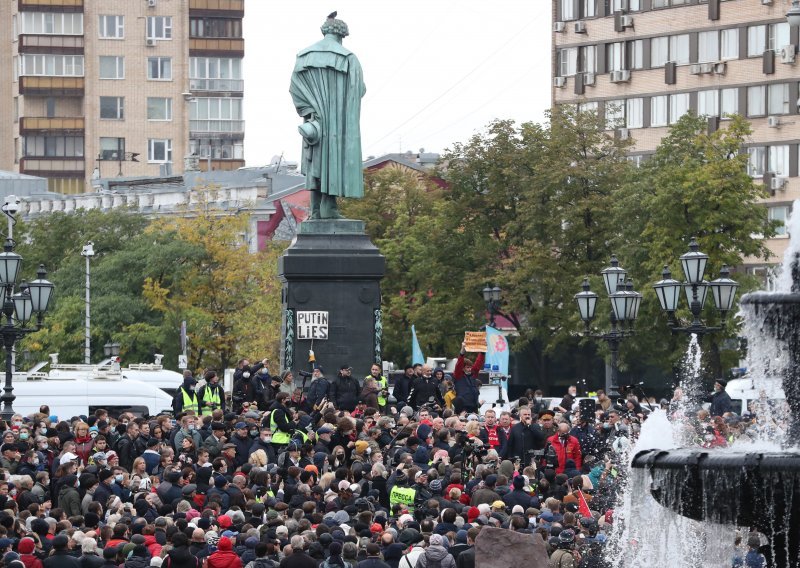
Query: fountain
{"points": [[752, 488]]}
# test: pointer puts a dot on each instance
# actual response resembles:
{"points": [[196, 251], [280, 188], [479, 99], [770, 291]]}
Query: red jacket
{"points": [[152, 545], [30, 561], [224, 559], [572, 451]]}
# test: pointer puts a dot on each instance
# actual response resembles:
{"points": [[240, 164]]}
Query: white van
{"points": [[746, 390], [69, 397]]}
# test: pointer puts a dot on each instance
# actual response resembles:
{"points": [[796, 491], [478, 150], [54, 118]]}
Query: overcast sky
{"points": [[436, 71]]}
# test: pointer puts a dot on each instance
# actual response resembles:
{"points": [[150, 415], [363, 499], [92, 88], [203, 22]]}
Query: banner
{"points": [[416, 352], [496, 351], [476, 341]]}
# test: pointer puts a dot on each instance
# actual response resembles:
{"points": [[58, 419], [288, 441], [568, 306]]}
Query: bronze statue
{"points": [[327, 86]]}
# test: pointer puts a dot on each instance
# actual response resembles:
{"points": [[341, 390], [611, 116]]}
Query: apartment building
{"points": [[99, 88], [644, 63]]}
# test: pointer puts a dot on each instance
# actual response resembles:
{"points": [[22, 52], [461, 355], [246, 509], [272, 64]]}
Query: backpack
{"points": [[326, 564]]}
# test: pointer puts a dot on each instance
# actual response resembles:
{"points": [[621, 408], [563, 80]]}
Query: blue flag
{"points": [[496, 351], [416, 352]]}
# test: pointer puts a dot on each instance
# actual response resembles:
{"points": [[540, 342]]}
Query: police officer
{"points": [[280, 422], [211, 395], [186, 399]]}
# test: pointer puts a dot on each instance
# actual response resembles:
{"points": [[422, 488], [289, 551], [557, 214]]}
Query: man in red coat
{"points": [[466, 381], [566, 447]]}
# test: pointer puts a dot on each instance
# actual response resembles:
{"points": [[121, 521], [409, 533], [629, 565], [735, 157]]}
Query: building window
{"points": [[729, 101], [589, 8], [637, 54], [112, 27], [591, 106], [217, 149], [112, 148], [159, 108], [678, 106], [729, 44], [159, 27], [216, 114], [756, 100], [780, 213], [621, 5], [568, 10], [634, 113], [707, 46], [50, 23], [778, 36], [215, 27], [112, 108], [51, 65], [679, 49], [53, 146], [567, 61], [159, 68], [589, 58], [658, 110], [615, 114], [615, 56], [755, 160], [659, 51], [756, 40], [112, 67], [779, 160], [707, 103], [778, 99], [159, 151]]}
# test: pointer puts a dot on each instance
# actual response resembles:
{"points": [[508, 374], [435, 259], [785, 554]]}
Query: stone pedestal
{"points": [[332, 266]]}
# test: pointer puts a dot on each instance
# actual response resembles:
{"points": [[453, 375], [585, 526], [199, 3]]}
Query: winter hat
{"points": [[519, 482], [26, 545], [461, 537], [472, 514], [490, 481], [225, 544], [436, 485], [361, 446], [436, 540], [335, 548], [517, 510], [423, 431]]}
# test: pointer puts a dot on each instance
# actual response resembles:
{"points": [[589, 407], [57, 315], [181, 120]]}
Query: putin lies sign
{"points": [[312, 325]]}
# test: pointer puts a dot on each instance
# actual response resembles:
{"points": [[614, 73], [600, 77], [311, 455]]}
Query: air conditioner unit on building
{"points": [[720, 68], [773, 121], [626, 21], [622, 76], [559, 82], [559, 27], [623, 133], [580, 27], [151, 3], [777, 183], [589, 79], [694, 69], [706, 68], [788, 54], [766, 2], [150, 42]]}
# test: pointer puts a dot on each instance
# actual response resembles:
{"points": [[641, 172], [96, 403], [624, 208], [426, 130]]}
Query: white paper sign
{"points": [[312, 325]]}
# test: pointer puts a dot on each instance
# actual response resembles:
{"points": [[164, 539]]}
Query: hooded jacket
{"points": [[435, 555], [68, 497], [224, 557], [180, 557]]}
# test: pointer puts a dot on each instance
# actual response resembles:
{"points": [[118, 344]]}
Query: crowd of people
{"points": [[344, 473]]}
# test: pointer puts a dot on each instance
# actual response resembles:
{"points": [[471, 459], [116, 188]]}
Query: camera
{"points": [[304, 374]]}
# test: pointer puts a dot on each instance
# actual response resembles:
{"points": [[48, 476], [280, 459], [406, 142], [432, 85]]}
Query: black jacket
{"points": [[61, 559], [522, 440], [373, 562], [317, 391], [424, 391], [344, 393], [720, 404], [180, 557], [91, 561], [402, 387]]}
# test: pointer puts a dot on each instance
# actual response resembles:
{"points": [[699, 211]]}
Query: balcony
{"points": [[220, 165], [68, 45], [53, 167], [51, 86], [225, 47], [217, 85], [50, 5], [44, 125], [229, 8], [215, 128]]}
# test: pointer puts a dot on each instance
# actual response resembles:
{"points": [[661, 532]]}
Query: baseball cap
{"points": [[67, 457]]}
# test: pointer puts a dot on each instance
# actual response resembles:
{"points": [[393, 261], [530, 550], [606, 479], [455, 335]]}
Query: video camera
{"points": [[305, 374]]}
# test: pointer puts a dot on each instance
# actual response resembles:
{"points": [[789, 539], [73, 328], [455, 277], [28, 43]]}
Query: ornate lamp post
{"points": [[625, 303], [492, 298], [668, 290], [18, 308], [111, 349]]}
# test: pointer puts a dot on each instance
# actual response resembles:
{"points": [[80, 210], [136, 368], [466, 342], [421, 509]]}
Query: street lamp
{"points": [[18, 309], [492, 298], [111, 349], [625, 303], [88, 252], [696, 289]]}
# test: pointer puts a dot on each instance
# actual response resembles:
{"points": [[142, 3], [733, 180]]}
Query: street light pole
{"points": [[492, 298], [88, 252]]}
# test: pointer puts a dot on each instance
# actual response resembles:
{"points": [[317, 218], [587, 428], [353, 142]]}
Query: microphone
{"points": [[634, 385]]}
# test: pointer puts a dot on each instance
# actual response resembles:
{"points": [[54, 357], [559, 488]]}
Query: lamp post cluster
{"points": [[111, 349], [492, 298], [18, 309], [696, 289], [625, 303]]}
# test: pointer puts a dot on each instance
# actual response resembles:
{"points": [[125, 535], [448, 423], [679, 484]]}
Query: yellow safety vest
{"points": [[382, 384], [210, 396], [404, 496], [278, 436], [189, 401]]}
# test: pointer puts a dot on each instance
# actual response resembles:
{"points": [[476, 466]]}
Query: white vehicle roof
{"points": [[750, 389]]}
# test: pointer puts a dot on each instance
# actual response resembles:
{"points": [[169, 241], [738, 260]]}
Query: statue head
{"points": [[336, 27]]}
